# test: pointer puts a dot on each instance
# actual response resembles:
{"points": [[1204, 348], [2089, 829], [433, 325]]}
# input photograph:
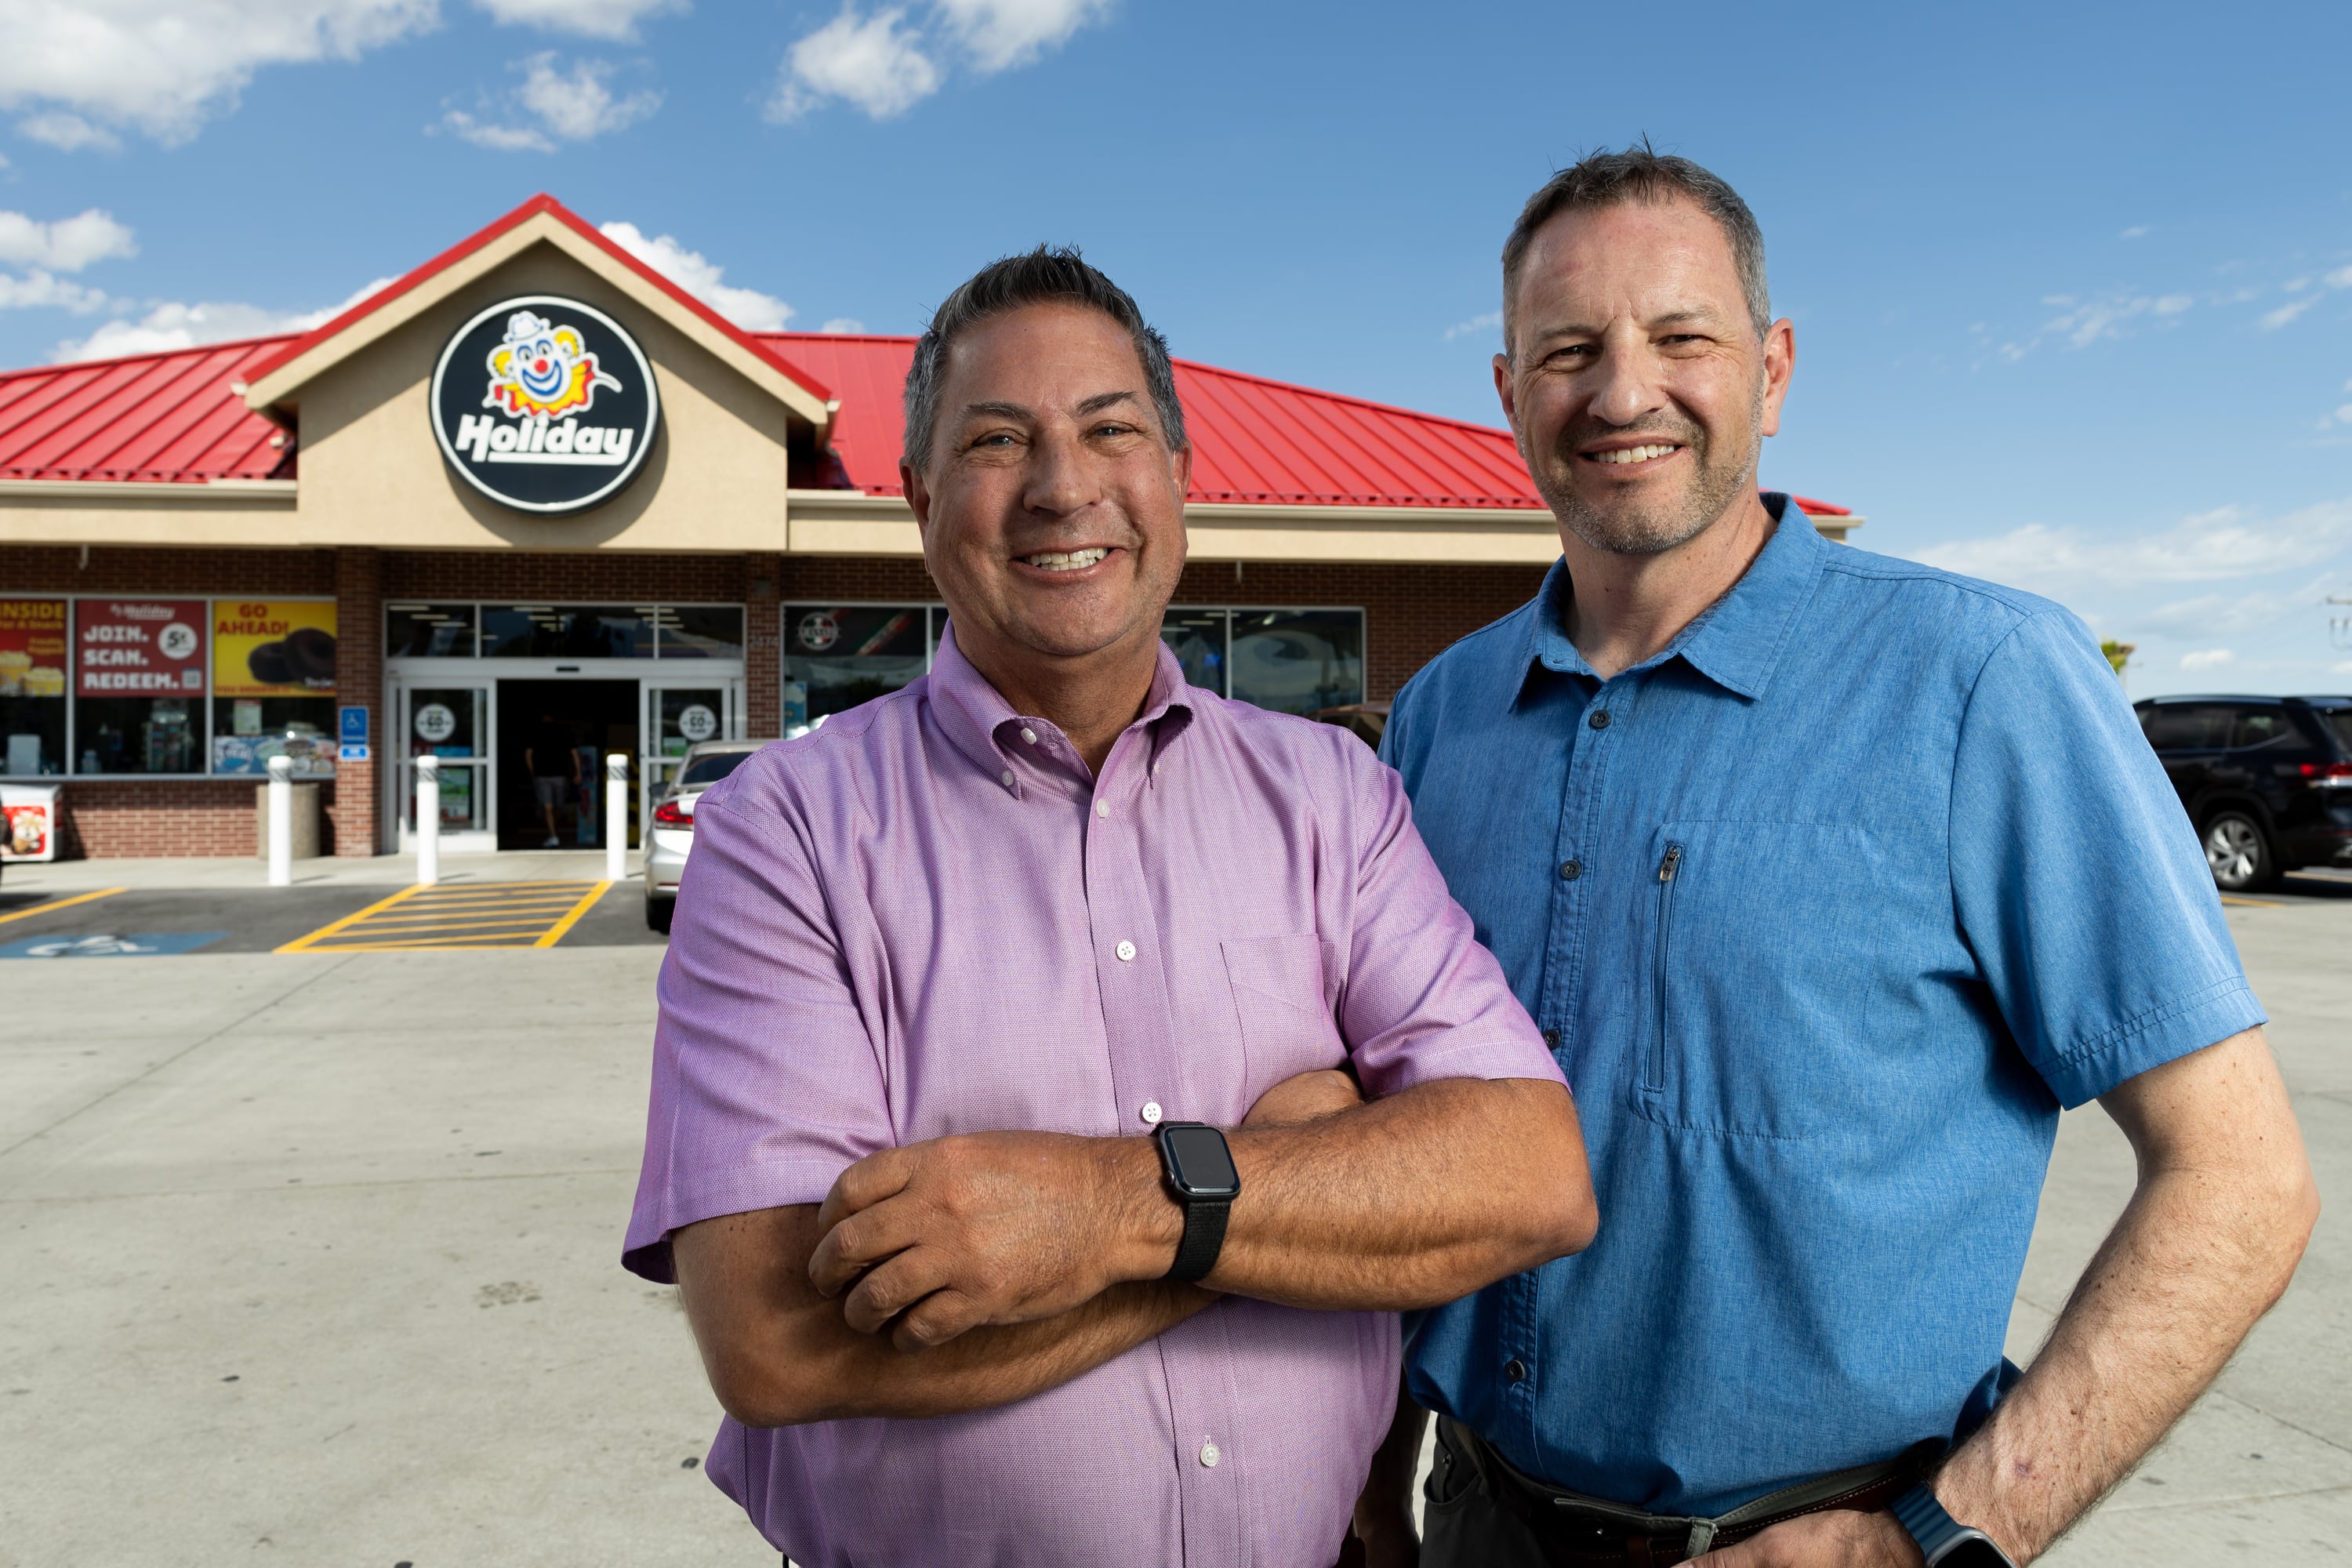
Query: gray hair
{"points": [[1652, 178], [1047, 275]]}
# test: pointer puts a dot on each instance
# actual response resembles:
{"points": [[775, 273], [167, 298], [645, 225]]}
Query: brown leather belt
{"points": [[1579, 1531]]}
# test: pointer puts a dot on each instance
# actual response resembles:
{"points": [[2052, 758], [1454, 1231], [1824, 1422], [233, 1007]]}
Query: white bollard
{"points": [[429, 821], [617, 817], [281, 822]]}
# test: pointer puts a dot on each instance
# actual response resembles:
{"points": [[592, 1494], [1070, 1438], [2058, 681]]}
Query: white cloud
{"points": [[170, 324], [65, 243], [65, 132], [38, 289], [747, 307], [843, 324], [2137, 231], [2210, 546], [999, 34], [614, 19], [2339, 278], [2114, 314], [577, 106], [2208, 659], [162, 66], [870, 61], [2273, 321], [1492, 321]]}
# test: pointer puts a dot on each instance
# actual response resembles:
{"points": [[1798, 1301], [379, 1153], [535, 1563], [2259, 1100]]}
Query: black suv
{"points": [[2267, 780]]}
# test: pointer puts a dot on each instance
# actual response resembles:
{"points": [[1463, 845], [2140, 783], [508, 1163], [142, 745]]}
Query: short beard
{"points": [[1640, 530]]}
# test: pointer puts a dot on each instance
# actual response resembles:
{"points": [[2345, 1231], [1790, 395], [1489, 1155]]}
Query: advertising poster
{"points": [[32, 647], [28, 822], [266, 648], [139, 647]]}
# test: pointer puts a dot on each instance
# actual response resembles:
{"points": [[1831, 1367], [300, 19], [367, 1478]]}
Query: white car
{"points": [[673, 824]]}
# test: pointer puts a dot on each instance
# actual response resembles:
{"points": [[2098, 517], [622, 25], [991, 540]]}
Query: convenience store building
{"points": [[534, 487]]}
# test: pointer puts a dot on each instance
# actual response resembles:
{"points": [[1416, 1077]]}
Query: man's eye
{"points": [[1114, 429]]}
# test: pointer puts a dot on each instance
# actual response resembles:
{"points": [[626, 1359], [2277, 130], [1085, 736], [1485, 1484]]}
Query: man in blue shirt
{"points": [[1830, 878]]}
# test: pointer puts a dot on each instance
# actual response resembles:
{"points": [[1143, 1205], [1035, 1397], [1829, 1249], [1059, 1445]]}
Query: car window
{"points": [[710, 767], [2263, 727], [2187, 726], [2340, 721]]}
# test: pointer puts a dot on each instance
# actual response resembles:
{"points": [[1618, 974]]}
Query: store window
{"points": [[139, 685], [1290, 660], [838, 655], [33, 666], [567, 631], [700, 631], [428, 631], [273, 686]]}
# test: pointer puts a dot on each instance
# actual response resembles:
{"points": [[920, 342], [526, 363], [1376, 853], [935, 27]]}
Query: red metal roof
{"points": [[169, 418]]}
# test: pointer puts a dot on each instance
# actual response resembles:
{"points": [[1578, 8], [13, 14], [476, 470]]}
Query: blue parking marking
{"points": [[144, 945]]}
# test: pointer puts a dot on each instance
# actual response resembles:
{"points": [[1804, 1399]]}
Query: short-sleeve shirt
{"points": [[929, 918], [1827, 909]]}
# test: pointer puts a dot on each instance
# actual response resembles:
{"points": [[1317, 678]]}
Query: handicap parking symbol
{"points": [[145, 946]]}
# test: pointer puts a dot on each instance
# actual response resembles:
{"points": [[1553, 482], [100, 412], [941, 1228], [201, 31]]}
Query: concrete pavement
{"points": [[314, 1259]]}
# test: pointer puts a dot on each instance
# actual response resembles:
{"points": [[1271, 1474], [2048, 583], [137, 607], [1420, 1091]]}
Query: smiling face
{"points": [[1636, 384], [1052, 507]]}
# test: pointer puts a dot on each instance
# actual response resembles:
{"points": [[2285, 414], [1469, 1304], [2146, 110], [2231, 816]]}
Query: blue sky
{"points": [[2073, 286]]}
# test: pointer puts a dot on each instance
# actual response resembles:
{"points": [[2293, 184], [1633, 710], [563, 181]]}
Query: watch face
{"points": [[1201, 1164], [1975, 1552]]}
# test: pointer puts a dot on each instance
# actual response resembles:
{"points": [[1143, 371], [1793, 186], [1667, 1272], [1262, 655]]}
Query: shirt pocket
{"points": [[1283, 1007], [1765, 953]]}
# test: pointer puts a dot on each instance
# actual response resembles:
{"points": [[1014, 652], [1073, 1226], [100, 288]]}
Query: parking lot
{"points": [[314, 1253]]}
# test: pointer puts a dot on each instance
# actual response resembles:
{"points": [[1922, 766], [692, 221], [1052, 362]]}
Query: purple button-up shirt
{"points": [[928, 918]]}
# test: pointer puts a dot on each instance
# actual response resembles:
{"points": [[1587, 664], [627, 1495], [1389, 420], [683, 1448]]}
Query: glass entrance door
{"points": [[453, 723], [680, 716]]}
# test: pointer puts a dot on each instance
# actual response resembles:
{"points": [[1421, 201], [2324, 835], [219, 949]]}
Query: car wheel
{"points": [[2239, 851], [658, 912]]}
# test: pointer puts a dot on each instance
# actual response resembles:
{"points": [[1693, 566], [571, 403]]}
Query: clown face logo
{"points": [[543, 369], [544, 403]]}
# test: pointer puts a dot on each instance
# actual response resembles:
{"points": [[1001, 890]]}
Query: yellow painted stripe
{"points": [[414, 909], [61, 904], [307, 943], [516, 941], [555, 932], [531, 926], [2252, 903]]}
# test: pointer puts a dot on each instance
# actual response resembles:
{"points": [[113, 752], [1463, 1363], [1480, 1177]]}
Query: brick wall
{"points": [[114, 817], [359, 679]]}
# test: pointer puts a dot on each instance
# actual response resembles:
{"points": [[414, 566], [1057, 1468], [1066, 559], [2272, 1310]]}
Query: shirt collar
{"points": [[1736, 641], [979, 721]]}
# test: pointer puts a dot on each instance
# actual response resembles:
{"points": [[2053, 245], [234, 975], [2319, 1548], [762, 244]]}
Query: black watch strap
{"points": [[1205, 1238], [1942, 1538]]}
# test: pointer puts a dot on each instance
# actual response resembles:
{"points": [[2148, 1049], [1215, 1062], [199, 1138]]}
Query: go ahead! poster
{"points": [[268, 647]]}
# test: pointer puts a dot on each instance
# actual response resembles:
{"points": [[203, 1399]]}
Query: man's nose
{"points": [[1629, 387], [1060, 480]]}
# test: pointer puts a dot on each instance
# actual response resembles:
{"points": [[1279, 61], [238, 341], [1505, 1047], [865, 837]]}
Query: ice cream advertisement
{"points": [[273, 647], [32, 647], [139, 647]]}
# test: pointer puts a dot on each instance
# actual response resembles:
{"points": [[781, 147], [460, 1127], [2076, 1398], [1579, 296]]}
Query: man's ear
{"points": [[919, 495], [1508, 392], [1780, 364]]}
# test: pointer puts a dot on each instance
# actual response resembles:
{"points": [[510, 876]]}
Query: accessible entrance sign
{"points": [[545, 405]]}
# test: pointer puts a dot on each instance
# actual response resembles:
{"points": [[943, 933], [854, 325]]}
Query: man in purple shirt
{"points": [[954, 977]]}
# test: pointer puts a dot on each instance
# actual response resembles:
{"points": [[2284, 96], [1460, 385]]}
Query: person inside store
{"points": [[552, 759], [1005, 1138], [1832, 878]]}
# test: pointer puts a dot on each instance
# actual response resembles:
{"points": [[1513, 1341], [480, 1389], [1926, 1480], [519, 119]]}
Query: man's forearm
{"points": [[2206, 1244], [779, 1354], [1411, 1201]]}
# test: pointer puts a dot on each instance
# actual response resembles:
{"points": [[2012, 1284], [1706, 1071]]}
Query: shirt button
{"points": [[1600, 719], [1551, 1038], [1211, 1454], [1516, 1369], [1007, 777], [1125, 951], [1029, 735], [1570, 870], [1151, 1112], [1102, 808]]}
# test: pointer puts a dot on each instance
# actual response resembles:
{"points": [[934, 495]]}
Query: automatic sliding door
{"points": [[452, 723]]}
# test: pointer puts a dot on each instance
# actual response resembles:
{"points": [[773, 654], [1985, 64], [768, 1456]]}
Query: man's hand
{"points": [[1836, 1538], [989, 1227]]}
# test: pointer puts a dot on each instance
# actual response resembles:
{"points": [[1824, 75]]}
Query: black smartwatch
{"points": [[1943, 1540], [1199, 1170]]}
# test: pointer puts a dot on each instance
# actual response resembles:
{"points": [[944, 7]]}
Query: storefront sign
{"points": [[353, 727], [698, 723], [544, 404], [32, 647], [269, 647], [435, 723], [139, 647]]}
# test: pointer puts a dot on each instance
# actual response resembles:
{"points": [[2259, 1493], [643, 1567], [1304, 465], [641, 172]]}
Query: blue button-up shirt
{"points": [[1827, 909]]}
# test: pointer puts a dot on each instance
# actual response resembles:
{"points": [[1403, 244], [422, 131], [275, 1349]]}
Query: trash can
{"points": [[306, 821]]}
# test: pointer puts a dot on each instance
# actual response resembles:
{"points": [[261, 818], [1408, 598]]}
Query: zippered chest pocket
{"points": [[1768, 951]]}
